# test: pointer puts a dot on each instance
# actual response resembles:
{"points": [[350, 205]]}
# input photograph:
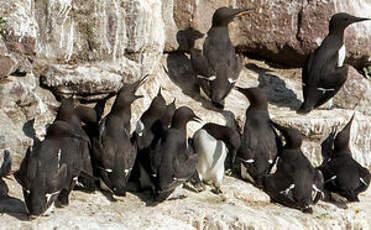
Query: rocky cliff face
{"points": [[50, 49], [281, 31]]}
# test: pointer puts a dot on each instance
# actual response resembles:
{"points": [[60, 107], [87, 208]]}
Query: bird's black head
{"points": [[126, 96], [168, 114], [159, 99], [171, 108], [224, 15], [340, 21], [292, 136], [341, 142], [182, 116], [158, 104], [66, 111], [256, 97], [157, 107]]}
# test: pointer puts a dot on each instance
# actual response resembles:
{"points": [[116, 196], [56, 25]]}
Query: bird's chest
{"points": [[341, 56]]}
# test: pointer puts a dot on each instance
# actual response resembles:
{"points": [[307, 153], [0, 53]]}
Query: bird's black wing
{"points": [[155, 156], [200, 64], [331, 77], [183, 170], [249, 142], [306, 68], [332, 84]]}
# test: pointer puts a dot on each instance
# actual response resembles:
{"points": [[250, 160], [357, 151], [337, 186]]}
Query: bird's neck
{"points": [[218, 30], [341, 150], [179, 124], [123, 114], [262, 108], [337, 35]]}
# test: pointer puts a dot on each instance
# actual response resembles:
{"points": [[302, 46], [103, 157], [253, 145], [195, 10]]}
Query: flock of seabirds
{"points": [[82, 149]]}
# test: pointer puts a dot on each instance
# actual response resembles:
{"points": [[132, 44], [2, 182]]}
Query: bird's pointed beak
{"points": [[142, 81], [357, 19], [243, 12], [138, 96], [197, 119]]}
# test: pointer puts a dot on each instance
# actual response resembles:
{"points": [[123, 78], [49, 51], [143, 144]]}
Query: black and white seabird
{"points": [[343, 175], [259, 141], [218, 67], [296, 183], [324, 72], [113, 152], [174, 159], [213, 143]]}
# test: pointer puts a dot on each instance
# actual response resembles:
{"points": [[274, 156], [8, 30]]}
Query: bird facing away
{"points": [[230, 136], [143, 134], [113, 152], [174, 161], [259, 141], [324, 72], [69, 113], [218, 67], [150, 129], [343, 175], [296, 183], [213, 143]]}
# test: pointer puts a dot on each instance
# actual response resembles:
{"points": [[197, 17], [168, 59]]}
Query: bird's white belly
{"points": [[212, 154], [342, 53]]}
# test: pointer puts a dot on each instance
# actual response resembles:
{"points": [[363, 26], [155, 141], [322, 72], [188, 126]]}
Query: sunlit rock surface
{"points": [[241, 206]]}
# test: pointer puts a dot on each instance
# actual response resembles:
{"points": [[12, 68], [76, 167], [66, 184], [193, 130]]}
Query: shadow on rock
{"points": [[179, 66], [13, 207], [275, 88], [29, 131]]}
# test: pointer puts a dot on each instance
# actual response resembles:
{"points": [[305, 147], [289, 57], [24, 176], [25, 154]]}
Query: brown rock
{"points": [[355, 94], [7, 66], [20, 103]]}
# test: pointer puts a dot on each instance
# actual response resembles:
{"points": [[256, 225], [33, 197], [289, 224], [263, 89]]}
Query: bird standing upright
{"points": [[324, 72], [218, 67], [174, 161], [259, 141], [113, 152], [343, 175], [296, 183]]}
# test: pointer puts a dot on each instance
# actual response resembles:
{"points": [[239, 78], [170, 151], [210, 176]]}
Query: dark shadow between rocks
{"points": [[14, 207], [275, 88]]}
